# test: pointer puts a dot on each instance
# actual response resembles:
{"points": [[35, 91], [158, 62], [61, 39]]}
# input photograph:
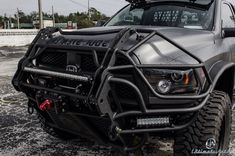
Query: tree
{"points": [[33, 15], [1, 19], [60, 18], [1, 22], [81, 18], [96, 15], [23, 17], [85, 23]]}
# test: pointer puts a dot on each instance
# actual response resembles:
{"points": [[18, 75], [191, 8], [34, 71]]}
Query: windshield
{"points": [[171, 14]]}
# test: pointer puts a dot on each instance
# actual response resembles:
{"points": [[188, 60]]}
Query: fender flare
{"points": [[218, 69]]}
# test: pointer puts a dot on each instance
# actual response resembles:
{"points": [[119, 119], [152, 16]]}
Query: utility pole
{"points": [[10, 22], [88, 9], [40, 14], [18, 19], [5, 21], [53, 16]]}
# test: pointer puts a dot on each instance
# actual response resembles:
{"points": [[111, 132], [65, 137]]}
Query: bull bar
{"points": [[101, 97]]}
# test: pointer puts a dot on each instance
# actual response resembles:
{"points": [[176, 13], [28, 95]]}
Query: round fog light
{"points": [[164, 86]]}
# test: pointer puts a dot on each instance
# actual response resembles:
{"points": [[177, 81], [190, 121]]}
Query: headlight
{"points": [[172, 81]]}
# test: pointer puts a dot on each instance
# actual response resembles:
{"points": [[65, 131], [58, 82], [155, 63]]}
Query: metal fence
{"points": [[18, 32], [17, 37]]}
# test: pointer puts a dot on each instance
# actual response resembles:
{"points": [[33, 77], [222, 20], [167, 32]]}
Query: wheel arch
{"points": [[222, 75]]}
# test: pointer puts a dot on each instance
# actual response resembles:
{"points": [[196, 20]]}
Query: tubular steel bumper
{"points": [[104, 105]]}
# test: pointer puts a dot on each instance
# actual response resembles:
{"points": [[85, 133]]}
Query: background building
{"points": [[47, 22]]}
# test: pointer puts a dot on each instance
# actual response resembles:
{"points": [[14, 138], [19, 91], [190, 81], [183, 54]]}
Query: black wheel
{"points": [[210, 131], [54, 131]]}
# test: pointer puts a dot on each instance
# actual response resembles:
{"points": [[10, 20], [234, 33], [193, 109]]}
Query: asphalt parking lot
{"points": [[21, 134]]}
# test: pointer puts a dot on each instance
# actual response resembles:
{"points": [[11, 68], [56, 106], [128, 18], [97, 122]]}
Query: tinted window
{"points": [[186, 15], [227, 17], [128, 17]]}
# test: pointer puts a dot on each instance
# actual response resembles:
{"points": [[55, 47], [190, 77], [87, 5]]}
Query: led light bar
{"points": [[56, 74], [147, 122]]}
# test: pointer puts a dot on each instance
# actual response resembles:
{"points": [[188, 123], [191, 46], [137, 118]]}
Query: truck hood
{"points": [[197, 42], [156, 50]]}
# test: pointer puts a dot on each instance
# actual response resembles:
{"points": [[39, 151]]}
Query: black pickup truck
{"points": [[156, 68]]}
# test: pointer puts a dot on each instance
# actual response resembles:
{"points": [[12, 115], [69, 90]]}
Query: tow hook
{"points": [[46, 105]]}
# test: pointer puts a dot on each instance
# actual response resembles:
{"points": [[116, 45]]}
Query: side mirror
{"points": [[228, 32], [100, 23]]}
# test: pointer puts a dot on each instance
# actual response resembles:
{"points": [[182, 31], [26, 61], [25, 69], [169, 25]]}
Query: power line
{"points": [[88, 6], [75, 2], [112, 3]]}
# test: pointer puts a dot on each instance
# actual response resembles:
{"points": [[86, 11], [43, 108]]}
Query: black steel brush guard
{"points": [[110, 79], [102, 95], [103, 79]]}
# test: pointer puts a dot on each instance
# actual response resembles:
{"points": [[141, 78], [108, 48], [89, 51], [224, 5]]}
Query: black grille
{"points": [[50, 58], [60, 59], [88, 63]]}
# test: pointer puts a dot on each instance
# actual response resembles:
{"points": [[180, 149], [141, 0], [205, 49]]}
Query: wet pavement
{"points": [[21, 134]]}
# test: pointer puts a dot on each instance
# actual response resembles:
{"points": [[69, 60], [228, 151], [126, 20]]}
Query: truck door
{"points": [[228, 21]]}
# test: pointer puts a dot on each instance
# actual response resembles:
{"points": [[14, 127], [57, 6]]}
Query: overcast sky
{"points": [[109, 7]]}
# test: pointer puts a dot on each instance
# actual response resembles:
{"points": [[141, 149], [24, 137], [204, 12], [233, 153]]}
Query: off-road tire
{"points": [[213, 122], [57, 133]]}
